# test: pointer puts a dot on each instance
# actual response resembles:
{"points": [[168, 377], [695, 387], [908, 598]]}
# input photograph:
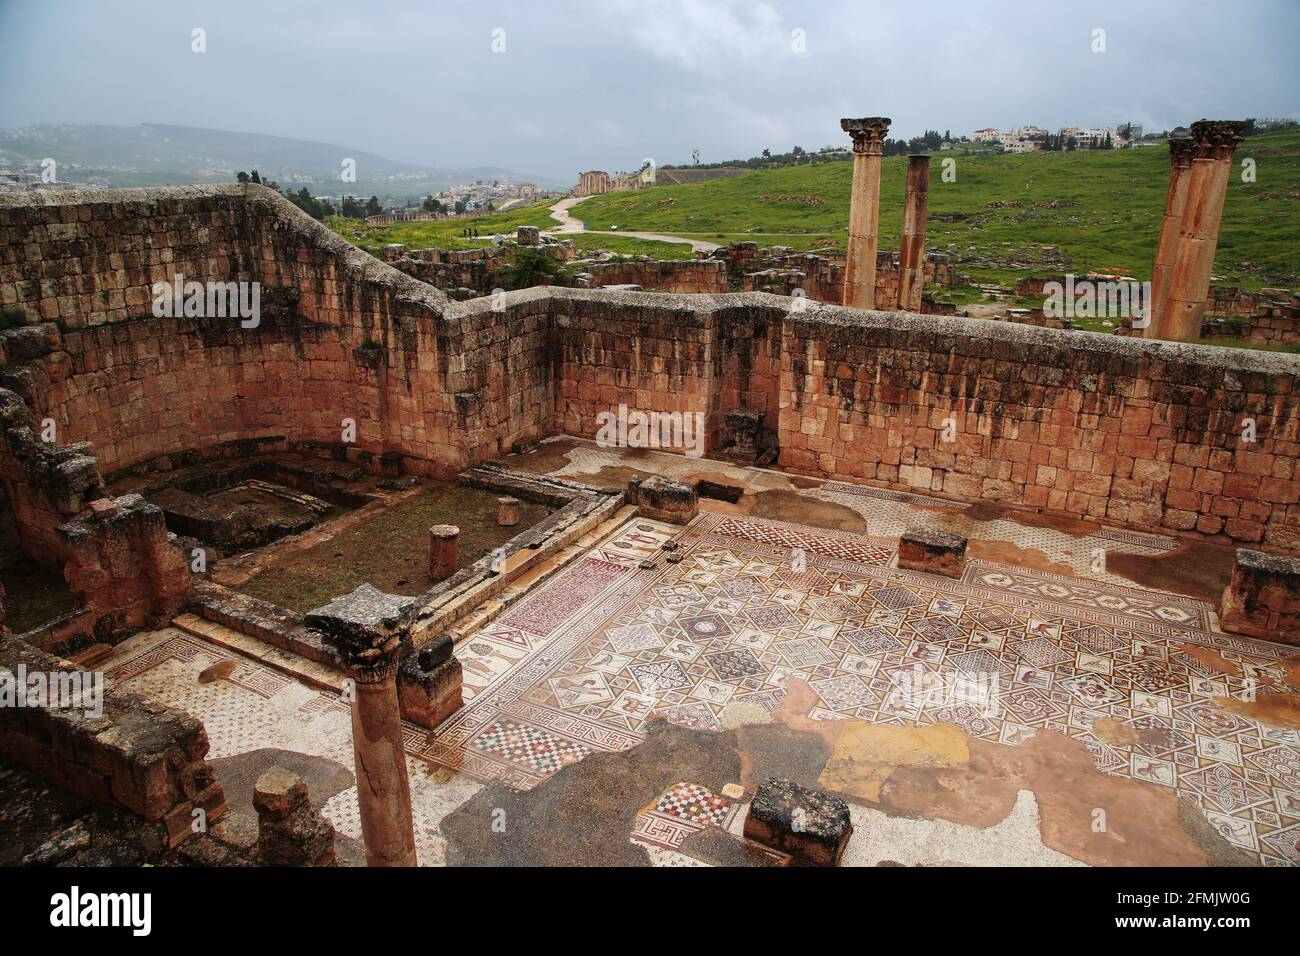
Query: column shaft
{"points": [[383, 790], [1180, 162], [911, 247], [864, 210], [1198, 238]]}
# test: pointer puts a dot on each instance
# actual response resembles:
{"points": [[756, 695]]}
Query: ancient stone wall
{"points": [[645, 351], [341, 336], [1126, 431], [780, 270], [114, 553], [1268, 317], [1146, 434], [746, 366], [680, 276], [145, 757]]}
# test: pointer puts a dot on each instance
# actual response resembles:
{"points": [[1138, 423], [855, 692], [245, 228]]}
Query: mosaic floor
{"points": [[740, 616], [256, 707], [725, 619]]}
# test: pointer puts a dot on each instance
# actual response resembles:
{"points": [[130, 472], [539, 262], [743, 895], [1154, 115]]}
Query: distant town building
{"points": [[1030, 138]]}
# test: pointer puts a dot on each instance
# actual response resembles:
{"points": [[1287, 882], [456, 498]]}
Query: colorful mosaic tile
{"points": [[1062, 656]]}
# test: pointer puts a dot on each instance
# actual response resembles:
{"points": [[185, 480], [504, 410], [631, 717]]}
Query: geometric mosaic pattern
{"points": [[735, 619], [532, 747], [679, 811], [830, 543]]}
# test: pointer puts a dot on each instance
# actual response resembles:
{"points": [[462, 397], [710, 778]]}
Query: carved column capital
{"points": [[1181, 147], [868, 133], [367, 628], [1216, 139]]}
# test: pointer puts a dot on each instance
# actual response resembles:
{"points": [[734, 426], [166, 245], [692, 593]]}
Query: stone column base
{"points": [[429, 683], [1263, 598], [662, 499]]}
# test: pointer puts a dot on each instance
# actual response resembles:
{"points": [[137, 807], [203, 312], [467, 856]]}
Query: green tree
{"points": [[530, 266]]}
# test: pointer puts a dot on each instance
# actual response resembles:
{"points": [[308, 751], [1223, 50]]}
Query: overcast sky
{"points": [[608, 83]]}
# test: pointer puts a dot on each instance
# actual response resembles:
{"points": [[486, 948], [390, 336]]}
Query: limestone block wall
{"points": [[145, 757], [342, 336], [1120, 430], [758, 269], [747, 344], [1146, 434], [679, 276], [496, 368], [648, 351], [114, 553]]}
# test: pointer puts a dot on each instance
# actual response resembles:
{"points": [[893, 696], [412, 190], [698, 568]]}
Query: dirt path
{"points": [[560, 212]]}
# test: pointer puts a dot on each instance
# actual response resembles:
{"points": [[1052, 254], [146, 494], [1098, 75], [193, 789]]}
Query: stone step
{"points": [[307, 672], [259, 619]]}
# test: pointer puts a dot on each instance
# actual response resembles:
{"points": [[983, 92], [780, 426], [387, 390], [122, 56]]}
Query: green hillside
{"points": [[1021, 214]]}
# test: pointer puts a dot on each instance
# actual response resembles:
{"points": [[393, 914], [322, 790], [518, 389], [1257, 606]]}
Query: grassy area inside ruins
{"points": [[442, 233], [1002, 216], [391, 551], [588, 243]]}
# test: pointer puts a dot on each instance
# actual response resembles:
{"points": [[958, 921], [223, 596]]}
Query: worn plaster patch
{"points": [[866, 755], [1014, 841]]}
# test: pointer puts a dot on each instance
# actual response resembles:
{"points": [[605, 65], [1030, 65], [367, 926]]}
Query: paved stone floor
{"points": [[1014, 716]]}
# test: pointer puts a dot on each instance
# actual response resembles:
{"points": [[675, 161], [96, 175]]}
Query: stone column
{"points": [[1207, 186], [507, 512], [368, 628], [443, 539], [911, 247], [864, 209], [1180, 162]]}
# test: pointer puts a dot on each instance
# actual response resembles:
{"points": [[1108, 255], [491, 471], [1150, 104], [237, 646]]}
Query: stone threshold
{"points": [[311, 673]]}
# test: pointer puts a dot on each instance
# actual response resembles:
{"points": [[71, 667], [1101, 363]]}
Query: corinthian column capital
{"points": [[1181, 147], [1216, 139], [868, 133]]}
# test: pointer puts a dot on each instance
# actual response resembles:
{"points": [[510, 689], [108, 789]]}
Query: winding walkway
{"points": [[560, 212]]}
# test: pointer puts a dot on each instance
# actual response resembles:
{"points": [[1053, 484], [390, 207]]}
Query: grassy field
{"points": [[589, 242], [442, 233], [1059, 212], [446, 234]]}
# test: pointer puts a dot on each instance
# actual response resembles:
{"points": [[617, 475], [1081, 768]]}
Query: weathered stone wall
{"points": [[342, 336], [746, 367], [640, 349], [678, 276], [114, 553], [1267, 317], [145, 757], [1146, 434], [1270, 317], [1126, 431], [780, 270]]}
